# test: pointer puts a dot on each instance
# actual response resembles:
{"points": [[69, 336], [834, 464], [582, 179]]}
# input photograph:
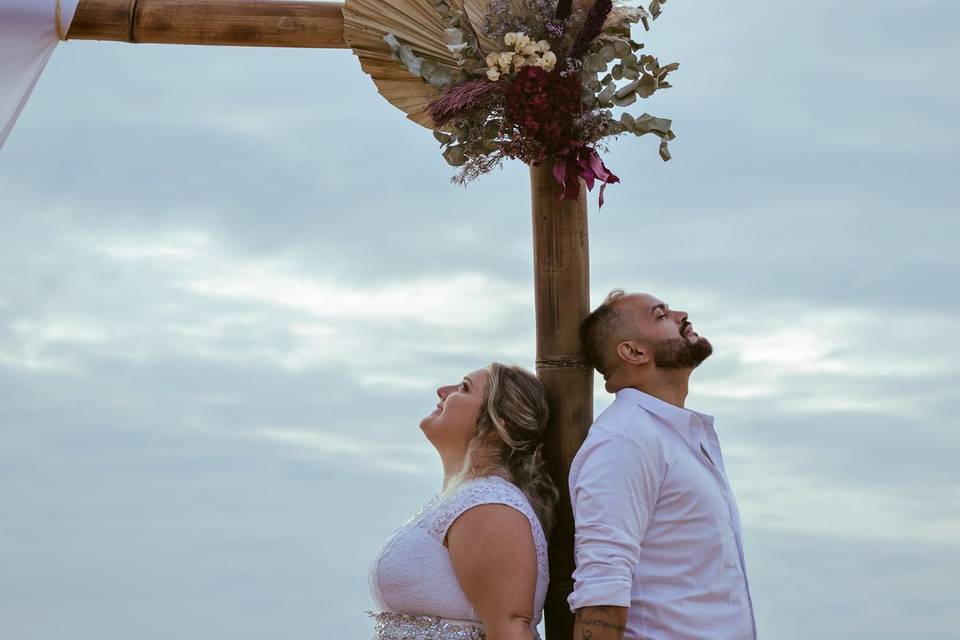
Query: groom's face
{"points": [[667, 333]]}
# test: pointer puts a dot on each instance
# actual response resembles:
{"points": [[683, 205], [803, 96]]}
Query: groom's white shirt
{"points": [[657, 526]]}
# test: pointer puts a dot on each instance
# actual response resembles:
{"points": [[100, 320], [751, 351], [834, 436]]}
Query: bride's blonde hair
{"points": [[515, 410]]}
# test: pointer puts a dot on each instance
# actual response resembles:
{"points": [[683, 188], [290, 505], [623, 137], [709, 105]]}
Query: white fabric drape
{"points": [[28, 36]]}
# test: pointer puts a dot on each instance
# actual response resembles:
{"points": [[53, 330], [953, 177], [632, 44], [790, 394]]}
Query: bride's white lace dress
{"points": [[412, 581]]}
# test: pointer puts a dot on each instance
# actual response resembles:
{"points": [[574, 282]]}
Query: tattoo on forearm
{"points": [[600, 623], [596, 624]]}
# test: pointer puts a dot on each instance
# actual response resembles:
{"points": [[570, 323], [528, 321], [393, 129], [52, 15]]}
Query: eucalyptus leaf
{"points": [[608, 93], [474, 67], [442, 137], [625, 101], [439, 77], [655, 9], [597, 63], [621, 48], [490, 146], [631, 72], [404, 54], [673, 66], [664, 151], [616, 128], [617, 72], [455, 156], [455, 40], [607, 54], [650, 124], [627, 89], [628, 121], [647, 86]]}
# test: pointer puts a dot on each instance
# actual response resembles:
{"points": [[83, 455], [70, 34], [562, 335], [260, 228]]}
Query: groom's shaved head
{"points": [[602, 330]]}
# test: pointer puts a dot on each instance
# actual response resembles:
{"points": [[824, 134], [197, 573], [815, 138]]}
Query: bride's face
{"points": [[453, 423]]}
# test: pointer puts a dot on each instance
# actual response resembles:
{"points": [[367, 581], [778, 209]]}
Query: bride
{"points": [[472, 563]]}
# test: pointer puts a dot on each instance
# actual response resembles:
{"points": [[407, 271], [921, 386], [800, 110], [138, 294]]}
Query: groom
{"points": [[658, 548]]}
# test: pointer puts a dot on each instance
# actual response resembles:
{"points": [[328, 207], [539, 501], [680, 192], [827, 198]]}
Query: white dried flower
{"points": [[550, 58], [510, 38], [522, 41], [543, 45], [493, 74], [492, 59], [519, 61]]}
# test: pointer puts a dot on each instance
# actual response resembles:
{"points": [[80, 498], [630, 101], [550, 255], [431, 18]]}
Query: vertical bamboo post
{"points": [[562, 292]]}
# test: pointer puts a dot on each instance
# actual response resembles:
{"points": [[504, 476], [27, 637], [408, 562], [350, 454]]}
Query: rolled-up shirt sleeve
{"points": [[613, 490]]}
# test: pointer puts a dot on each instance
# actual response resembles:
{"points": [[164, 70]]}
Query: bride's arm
{"points": [[494, 557]]}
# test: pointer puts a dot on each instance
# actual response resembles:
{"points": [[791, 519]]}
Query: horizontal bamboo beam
{"points": [[246, 23]]}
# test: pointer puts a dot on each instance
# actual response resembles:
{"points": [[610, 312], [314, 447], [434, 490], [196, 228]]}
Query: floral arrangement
{"points": [[537, 80]]}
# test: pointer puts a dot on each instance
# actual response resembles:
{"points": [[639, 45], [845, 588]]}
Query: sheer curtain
{"points": [[28, 36]]}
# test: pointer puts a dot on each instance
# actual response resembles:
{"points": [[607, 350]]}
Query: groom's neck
{"points": [[670, 385]]}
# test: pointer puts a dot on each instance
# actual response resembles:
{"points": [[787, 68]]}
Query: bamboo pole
{"points": [[562, 292], [251, 23]]}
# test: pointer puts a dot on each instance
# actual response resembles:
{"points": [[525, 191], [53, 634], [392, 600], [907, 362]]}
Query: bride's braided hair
{"points": [[515, 409]]}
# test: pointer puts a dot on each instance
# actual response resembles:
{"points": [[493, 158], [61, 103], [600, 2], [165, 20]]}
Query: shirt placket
{"points": [[711, 443]]}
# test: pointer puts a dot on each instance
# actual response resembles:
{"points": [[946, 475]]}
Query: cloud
{"points": [[231, 279]]}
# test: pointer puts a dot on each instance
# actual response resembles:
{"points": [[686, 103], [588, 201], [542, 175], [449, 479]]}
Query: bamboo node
{"points": [[561, 362]]}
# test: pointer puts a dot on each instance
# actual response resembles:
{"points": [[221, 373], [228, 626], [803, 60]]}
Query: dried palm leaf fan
{"points": [[417, 24]]}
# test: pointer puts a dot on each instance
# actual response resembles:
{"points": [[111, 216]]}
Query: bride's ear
{"points": [[632, 352]]}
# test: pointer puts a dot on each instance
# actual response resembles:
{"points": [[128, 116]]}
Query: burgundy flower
{"points": [[581, 162], [541, 107]]}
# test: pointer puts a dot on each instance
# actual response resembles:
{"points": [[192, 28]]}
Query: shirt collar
{"points": [[683, 420]]}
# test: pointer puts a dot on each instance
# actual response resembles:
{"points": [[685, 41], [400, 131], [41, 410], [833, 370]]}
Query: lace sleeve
{"points": [[488, 490]]}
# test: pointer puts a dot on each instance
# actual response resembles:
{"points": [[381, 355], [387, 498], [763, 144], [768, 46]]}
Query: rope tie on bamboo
{"points": [[58, 19]]}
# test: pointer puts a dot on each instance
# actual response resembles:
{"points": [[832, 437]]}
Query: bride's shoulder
{"points": [[473, 493], [490, 486]]}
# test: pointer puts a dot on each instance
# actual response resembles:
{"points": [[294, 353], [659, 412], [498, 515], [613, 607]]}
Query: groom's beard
{"points": [[677, 353]]}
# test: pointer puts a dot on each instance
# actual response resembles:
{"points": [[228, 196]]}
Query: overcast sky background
{"points": [[231, 279]]}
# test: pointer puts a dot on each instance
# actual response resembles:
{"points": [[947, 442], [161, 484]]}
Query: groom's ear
{"points": [[632, 352]]}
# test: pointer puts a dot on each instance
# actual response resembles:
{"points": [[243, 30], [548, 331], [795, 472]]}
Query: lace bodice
{"points": [[412, 574]]}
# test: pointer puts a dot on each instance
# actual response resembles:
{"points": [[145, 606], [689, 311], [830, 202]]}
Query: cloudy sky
{"points": [[230, 280]]}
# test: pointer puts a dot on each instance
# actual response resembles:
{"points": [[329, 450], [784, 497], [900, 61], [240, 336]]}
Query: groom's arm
{"points": [[600, 623], [613, 491]]}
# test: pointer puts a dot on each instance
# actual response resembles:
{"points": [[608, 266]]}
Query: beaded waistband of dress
{"points": [[402, 626]]}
